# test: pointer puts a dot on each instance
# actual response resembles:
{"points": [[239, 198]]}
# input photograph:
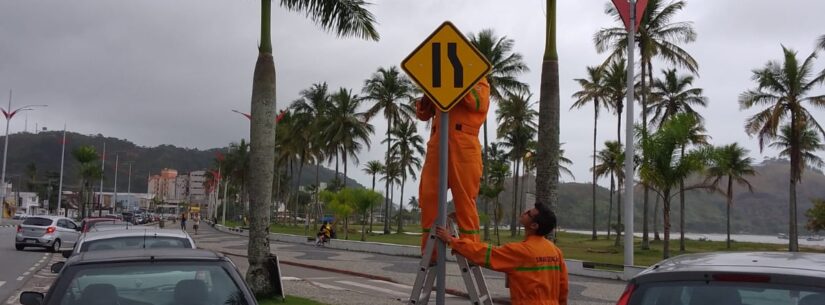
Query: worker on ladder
{"points": [[535, 266]]}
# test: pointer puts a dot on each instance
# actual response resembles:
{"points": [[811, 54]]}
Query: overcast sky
{"points": [[168, 72]]}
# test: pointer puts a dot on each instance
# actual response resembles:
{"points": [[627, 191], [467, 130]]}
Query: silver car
{"points": [[136, 237], [731, 278], [51, 232]]}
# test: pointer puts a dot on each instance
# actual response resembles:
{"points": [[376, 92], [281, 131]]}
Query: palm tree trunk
{"points": [[595, 130], [372, 207], [524, 180], [682, 209], [514, 212], [262, 154], [495, 212], [298, 189], [485, 181], [645, 195], [317, 191], [793, 241], [666, 219], [610, 209], [547, 154], [364, 226], [344, 157], [401, 207], [730, 203], [618, 212], [387, 189], [656, 220]]}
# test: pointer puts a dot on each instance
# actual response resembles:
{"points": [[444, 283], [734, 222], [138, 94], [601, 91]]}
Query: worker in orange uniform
{"points": [[464, 166], [535, 266]]}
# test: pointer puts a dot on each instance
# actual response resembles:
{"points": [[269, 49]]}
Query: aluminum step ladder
{"points": [[471, 273]]}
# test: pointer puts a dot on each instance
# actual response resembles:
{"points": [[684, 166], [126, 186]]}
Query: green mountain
{"points": [[43, 151]]}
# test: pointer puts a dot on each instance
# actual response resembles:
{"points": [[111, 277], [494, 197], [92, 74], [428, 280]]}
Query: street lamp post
{"points": [[9, 114]]}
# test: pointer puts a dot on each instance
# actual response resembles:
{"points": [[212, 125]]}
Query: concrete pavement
{"points": [[17, 266], [385, 278]]}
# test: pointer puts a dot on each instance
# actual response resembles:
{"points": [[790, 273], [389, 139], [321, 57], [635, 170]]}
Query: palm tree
{"points": [[89, 171], [313, 107], [345, 18], [517, 127], [507, 65], [664, 170], [347, 129], [673, 95], [373, 168], [732, 162], [499, 170], [696, 135], [408, 147], [821, 42], [547, 153], [809, 143], [657, 36], [593, 91], [611, 160], [389, 89], [391, 176], [784, 89]]}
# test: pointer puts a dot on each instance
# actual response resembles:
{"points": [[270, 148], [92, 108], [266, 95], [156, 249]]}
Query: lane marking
{"points": [[31, 269], [290, 278], [19, 278], [407, 287], [2, 283], [325, 286], [26, 273], [379, 289]]}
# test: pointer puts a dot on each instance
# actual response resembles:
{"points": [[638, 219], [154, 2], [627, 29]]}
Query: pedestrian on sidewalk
{"points": [[196, 221], [183, 221], [535, 267]]}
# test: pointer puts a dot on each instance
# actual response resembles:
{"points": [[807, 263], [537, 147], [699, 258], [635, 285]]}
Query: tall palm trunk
{"points": [[495, 213], [387, 189], [524, 180], [730, 203], [793, 242], [317, 191], [610, 208], [595, 130], [547, 154], [262, 154], [618, 212], [514, 212], [666, 220], [401, 207], [682, 208], [656, 220], [372, 208], [645, 194], [344, 157], [298, 191]]}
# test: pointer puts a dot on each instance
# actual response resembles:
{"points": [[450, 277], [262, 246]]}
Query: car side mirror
{"points": [[31, 298], [56, 267], [67, 253]]}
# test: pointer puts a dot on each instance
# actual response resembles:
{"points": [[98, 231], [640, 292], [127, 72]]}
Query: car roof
{"points": [[700, 264], [144, 255], [48, 217], [134, 231]]}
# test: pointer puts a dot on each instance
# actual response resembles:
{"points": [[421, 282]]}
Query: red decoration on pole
{"points": [[280, 116], [623, 7]]}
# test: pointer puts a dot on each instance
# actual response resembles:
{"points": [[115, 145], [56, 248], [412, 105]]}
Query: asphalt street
{"points": [[17, 266]]}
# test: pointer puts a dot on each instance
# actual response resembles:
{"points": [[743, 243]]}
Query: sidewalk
{"points": [[396, 269]]}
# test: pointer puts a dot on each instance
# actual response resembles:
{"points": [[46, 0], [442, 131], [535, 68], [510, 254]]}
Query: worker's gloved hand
{"points": [[424, 108]]}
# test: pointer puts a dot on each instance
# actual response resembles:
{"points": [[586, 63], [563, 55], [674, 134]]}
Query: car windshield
{"points": [[204, 283], [37, 221], [728, 293], [135, 242]]}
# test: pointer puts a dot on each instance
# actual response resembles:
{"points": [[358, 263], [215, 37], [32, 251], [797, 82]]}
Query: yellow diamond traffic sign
{"points": [[446, 66]]}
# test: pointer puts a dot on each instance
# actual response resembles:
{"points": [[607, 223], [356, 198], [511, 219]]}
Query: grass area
{"points": [[574, 245], [291, 300]]}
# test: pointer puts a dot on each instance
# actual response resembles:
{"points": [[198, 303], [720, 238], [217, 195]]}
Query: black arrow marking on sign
{"points": [[436, 64], [458, 70]]}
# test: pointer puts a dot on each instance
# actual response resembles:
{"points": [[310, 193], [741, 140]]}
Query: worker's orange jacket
{"points": [[464, 161], [535, 268]]}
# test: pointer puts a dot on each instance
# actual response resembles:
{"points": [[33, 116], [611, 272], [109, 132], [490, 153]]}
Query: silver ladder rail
{"points": [[470, 273]]}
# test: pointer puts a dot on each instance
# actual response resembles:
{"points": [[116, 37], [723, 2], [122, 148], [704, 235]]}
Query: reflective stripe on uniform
{"points": [[487, 257], [425, 230], [469, 232], [475, 96], [538, 268]]}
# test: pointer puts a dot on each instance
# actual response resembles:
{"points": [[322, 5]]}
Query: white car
{"points": [[51, 232], [136, 237]]}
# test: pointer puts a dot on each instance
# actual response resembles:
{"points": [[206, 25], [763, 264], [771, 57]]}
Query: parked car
{"points": [[132, 238], [145, 276], [731, 278], [51, 232], [19, 215], [92, 222]]}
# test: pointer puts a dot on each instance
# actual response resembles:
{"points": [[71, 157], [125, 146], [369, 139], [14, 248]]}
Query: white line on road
{"points": [[19, 278], [407, 287], [290, 278], [379, 289], [2, 283], [26, 273], [325, 286], [31, 269]]}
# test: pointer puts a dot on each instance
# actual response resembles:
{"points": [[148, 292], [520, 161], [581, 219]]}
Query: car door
{"points": [[66, 234], [73, 230]]}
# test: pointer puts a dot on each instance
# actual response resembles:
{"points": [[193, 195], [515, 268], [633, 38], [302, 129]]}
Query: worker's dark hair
{"points": [[546, 219]]}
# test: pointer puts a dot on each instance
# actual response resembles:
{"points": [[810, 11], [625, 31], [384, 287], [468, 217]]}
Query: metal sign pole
{"points": [[443, 150], [630, 151]]}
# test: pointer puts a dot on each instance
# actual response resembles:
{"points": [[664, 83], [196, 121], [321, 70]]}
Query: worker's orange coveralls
{"points": [[535, 267], [464, 166]]}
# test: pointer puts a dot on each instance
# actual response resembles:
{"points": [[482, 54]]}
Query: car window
{"points": [[727, 293], [71, 225], [62, 223], [135, 242], [37, 221], [148, 283]]}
